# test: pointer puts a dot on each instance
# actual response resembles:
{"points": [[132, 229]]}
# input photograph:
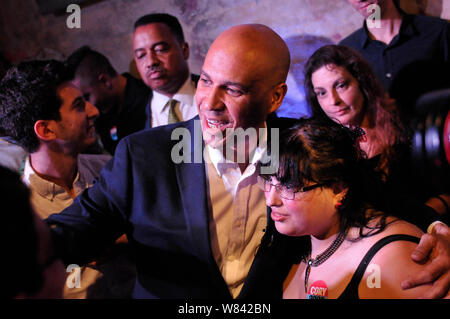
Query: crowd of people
{"points": [[98, 186]]}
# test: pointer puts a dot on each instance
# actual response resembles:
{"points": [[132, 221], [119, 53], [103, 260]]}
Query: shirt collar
{"points": [[364, 36], [221, 164], [186, 92], [48, 189], [184, 96], [407, 29]]}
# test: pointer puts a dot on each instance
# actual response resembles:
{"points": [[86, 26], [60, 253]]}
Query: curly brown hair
{"points": [[382, 111]]}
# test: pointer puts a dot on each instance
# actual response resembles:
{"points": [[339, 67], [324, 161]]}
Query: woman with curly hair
{"points": [[341, 87]]}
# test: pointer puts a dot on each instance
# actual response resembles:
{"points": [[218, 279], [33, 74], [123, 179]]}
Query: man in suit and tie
{"points": [[200, 230], [161, 55]]}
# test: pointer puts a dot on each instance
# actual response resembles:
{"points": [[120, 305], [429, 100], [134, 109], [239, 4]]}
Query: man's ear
{"points": [[105, 80], [185, 48], [278, 94], [44, 130]]}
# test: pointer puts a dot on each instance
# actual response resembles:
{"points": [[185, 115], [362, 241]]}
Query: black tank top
{"points": [[351, 291]]}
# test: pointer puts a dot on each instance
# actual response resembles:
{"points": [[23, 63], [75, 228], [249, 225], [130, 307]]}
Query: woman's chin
{"points": [[287, 230]]}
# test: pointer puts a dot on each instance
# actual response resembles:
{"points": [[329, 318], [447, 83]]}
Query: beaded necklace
{"points": [[320, 259]]}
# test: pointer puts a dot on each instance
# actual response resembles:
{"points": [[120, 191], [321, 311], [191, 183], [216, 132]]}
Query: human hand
{"points": [[433, 249]]}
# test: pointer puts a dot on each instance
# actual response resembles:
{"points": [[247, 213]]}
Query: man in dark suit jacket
{"points": [[161, 54], [192, 209], [166, 209]]}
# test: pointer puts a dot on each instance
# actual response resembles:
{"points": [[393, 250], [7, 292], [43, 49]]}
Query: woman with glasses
{"points": [[341, 87], [323, 189]]}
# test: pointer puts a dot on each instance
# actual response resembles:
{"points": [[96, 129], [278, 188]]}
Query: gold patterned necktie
{"points": [[173, 117]]}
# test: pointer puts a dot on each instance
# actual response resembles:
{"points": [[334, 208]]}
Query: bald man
{"points": [[199, 226]]}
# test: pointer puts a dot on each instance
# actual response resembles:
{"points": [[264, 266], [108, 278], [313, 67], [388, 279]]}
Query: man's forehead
{"points": [[153, 32], [68, 91], [231, 66]]}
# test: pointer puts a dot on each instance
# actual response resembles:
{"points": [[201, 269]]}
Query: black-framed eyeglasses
{"points": [[285, 192]]}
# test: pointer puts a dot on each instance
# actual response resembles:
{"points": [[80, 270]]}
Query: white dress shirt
{"points": [[185, 108], [48, 198], [238, 215]]}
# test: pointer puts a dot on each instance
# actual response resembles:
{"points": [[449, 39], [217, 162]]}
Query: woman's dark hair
{"points": [[328, 154], [20, 267], [382, 113]]}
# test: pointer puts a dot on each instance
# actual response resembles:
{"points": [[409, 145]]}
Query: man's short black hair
{"points": [[169, 20], [28, 93], [89, 63]]}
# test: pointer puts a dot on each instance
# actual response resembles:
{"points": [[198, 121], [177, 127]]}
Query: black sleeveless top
{"points": [[351, 291]]}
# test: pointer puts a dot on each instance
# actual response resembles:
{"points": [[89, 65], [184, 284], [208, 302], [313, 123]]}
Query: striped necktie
{"points": [[173, 117]]}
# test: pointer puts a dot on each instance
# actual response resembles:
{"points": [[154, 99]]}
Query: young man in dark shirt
{"points": [[408, 53], [121, 98]]}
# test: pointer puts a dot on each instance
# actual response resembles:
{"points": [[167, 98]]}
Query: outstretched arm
{"points": [[97, 217]]}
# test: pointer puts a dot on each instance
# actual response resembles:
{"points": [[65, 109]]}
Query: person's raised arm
{"points": [[98, 216]]}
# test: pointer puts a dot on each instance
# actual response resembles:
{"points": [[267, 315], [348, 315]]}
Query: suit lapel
{"points": [[148, 111], [191, 178]]}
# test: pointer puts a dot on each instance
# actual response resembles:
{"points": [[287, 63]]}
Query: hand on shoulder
{"points": [[392, 264]]}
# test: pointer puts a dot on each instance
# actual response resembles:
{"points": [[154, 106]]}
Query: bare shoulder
{"points": [[392, 264], [398, 226]]}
